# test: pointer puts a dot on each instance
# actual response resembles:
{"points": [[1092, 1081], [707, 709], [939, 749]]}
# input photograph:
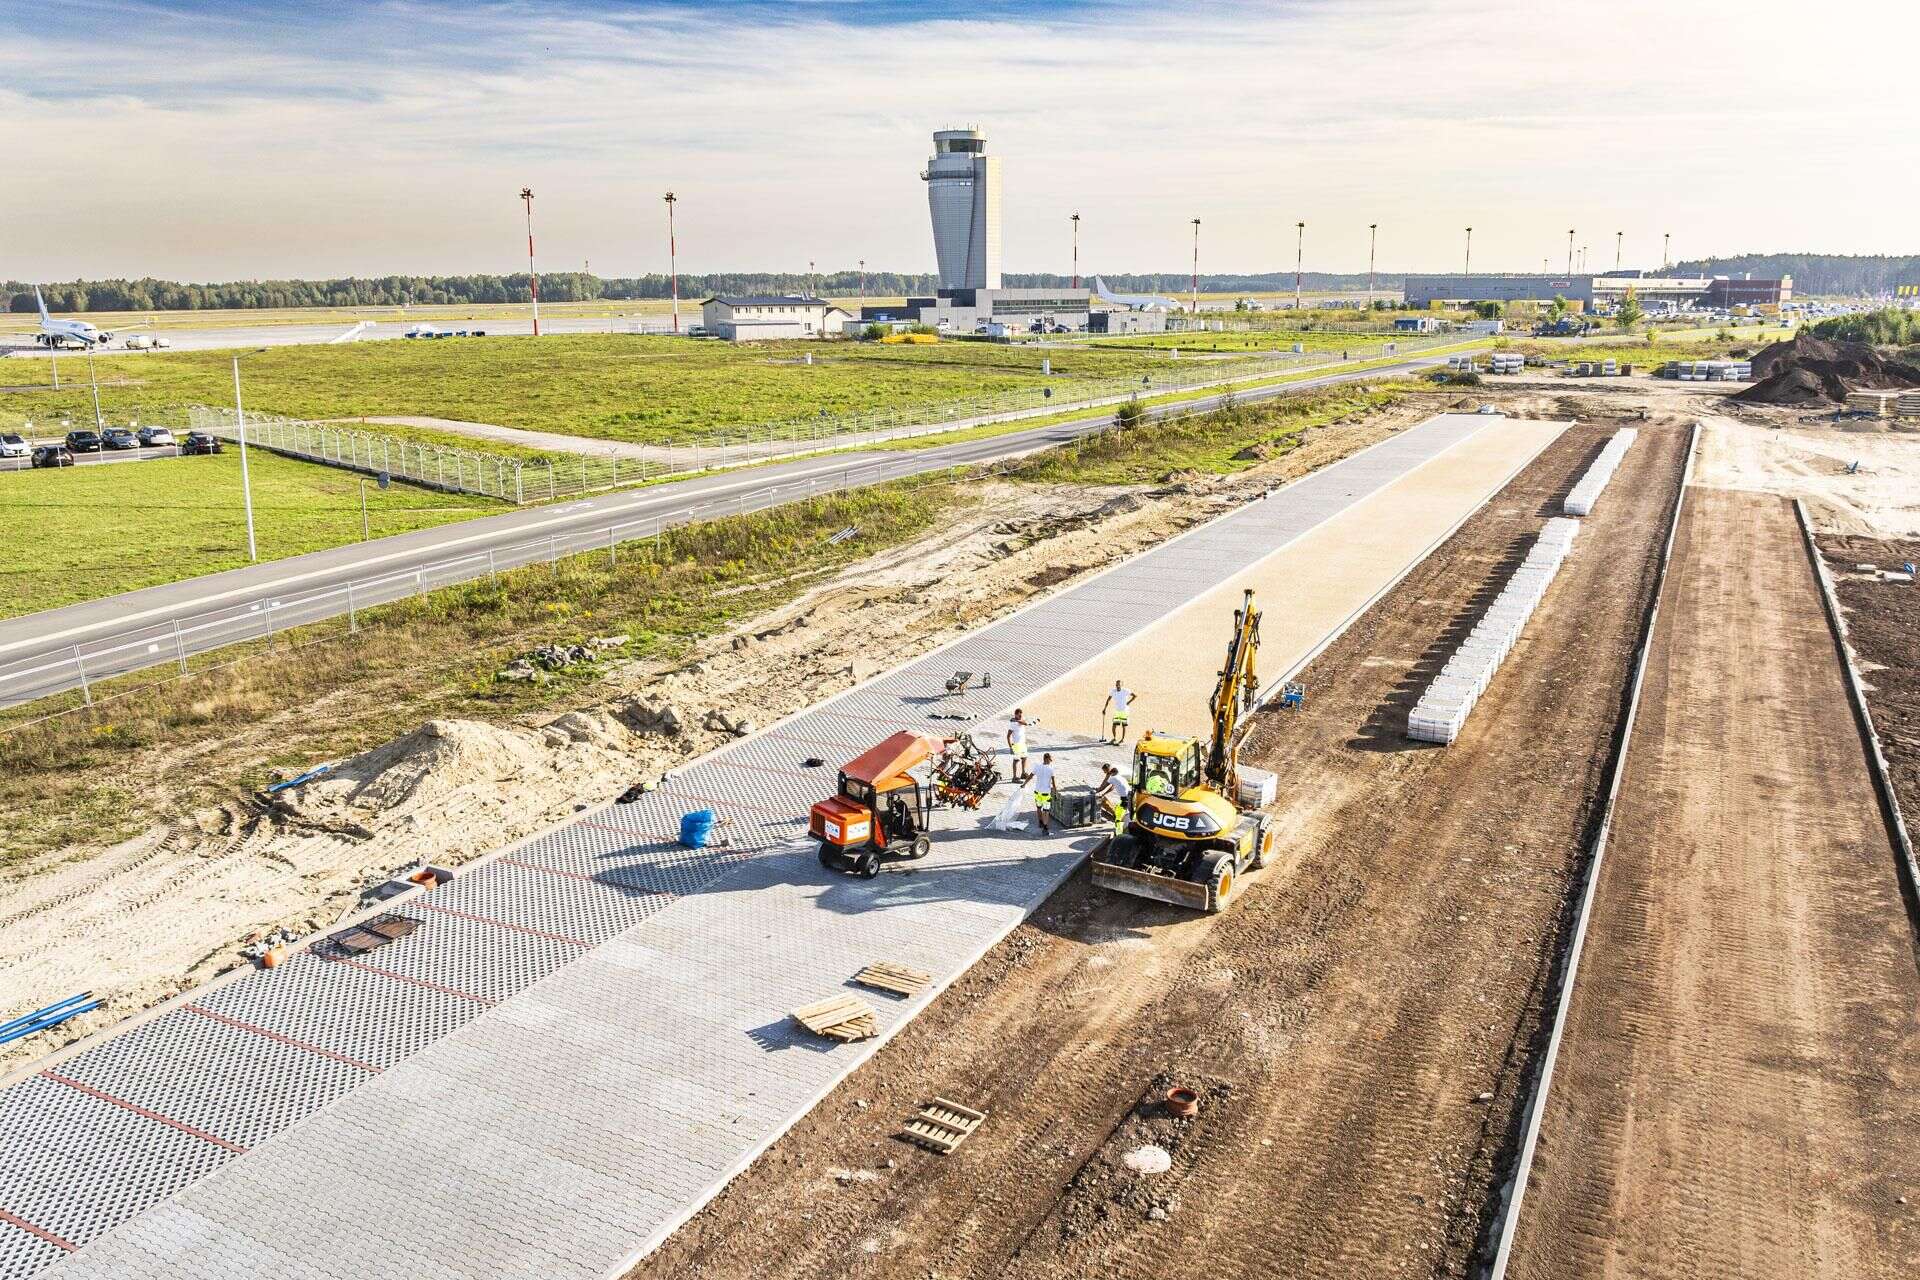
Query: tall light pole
{"points": [[1569, 254], [1373, 241], [810, 292], [1666, 248], [1194, 306], [1619, 238], [533, 279], [673, 261], [1299, 254], [863, 280], [246, 481], [99, 423], [1469, 250], [1075, 219]]}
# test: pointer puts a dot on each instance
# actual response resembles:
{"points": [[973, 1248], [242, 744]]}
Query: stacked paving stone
{"points": [[1580, 501], [1443, 709]]}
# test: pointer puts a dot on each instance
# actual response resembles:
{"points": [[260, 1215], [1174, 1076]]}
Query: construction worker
{"points": [[1043, 791], [1017, 745], [1112, 792], [1116, 705]]}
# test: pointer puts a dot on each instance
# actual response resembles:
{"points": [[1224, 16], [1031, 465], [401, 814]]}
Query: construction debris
{"points": [[942, 1125], [843, 1017], [1812, 371], [535, 664], [885, 975]]}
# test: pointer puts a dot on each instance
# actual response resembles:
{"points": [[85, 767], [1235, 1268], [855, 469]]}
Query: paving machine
{"points": [[880, 809], [1187, 841]]}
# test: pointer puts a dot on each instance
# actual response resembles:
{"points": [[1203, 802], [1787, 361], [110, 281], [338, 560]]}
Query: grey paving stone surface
{"points": [[586, 1037]]}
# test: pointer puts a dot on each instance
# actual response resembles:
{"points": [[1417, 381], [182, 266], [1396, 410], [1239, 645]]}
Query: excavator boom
{"points": [[1236, 687]]}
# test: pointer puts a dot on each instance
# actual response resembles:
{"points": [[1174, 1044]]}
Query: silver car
{"points": [[13, 446]]}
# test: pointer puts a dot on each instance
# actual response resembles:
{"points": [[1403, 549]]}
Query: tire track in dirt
{"points": [[1356, 1003]]}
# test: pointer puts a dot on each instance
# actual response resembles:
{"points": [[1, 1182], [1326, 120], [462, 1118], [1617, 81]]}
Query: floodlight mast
{"points": [[533, 278], [673, 260]]}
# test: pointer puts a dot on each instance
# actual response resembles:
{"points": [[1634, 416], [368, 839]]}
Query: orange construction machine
{"points": [[881, 808]]}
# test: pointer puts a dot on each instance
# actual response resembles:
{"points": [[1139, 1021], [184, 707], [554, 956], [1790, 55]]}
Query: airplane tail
{"points": [[42, 301]]}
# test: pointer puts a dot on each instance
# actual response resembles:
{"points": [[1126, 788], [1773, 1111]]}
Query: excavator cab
{"points": [[880, 808]]}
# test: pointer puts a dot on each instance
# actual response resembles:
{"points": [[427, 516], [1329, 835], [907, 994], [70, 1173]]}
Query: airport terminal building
{"points": [[1595, 292]]}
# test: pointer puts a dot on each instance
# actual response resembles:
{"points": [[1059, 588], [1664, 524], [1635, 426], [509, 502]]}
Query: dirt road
{"points": [[1737, 1091], [1358, 1024]]}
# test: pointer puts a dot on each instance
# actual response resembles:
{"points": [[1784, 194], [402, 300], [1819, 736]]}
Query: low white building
{"points": [[750, 318]]}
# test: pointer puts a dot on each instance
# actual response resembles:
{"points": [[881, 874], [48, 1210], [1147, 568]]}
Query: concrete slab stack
{"points": [[1443, 708], [1584, 494]]}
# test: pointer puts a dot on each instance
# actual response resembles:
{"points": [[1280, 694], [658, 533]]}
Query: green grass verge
{"points": [[83, 532], [325, 694], [615, 387]]}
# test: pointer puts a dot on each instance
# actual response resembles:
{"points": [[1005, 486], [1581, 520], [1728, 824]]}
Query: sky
{"points": [[219, 141]]}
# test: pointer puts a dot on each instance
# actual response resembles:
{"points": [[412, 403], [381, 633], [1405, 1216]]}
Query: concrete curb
{"points": [[1536, 1104], [1904, 861]]}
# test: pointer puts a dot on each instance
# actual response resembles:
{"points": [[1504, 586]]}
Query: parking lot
{"points": [[22, 453]]}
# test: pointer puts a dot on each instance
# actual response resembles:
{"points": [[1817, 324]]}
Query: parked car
{"points": [[13, 446], [52, 455], [155, 437], [200, 442], [119, 438], [83, 442]]}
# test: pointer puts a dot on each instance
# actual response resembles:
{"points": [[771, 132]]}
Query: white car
{"points": [[13, 446]]}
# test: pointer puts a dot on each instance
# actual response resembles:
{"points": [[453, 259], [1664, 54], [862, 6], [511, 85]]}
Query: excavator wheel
{"points": [[1263, 843], [1216, 871], [921, 847]]}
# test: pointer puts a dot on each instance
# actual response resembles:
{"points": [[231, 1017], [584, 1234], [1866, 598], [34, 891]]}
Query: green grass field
{"points": [[80, 533], [601, 386]]}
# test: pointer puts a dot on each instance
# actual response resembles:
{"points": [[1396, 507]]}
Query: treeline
{"points": [[1827, 274], [1882, 328], [575, 286]]}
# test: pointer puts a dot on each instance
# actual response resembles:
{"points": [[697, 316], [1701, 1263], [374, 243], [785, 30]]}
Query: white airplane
{"points": [[58, 333], [1133, 301]]}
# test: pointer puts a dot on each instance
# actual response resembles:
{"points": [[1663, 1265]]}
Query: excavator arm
{"points": [[1237, 685]]}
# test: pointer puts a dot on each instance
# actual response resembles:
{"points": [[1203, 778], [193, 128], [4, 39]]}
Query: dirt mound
{"points": [[1812, 371]]}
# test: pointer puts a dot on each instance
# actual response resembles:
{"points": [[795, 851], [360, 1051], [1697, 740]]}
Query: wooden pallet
{"points": [[943, 1125], [845, 1017], [885, 975]]}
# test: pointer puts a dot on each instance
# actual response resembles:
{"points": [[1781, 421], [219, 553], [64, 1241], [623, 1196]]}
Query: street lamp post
{"points": [[246, 480], [1619, 238], [863, 280], [1569, 254], [533, 278], [810, 285], [1666, 247], [1299, 253], [1373, 240], [673, 261], [1075, 219], [99, 423], [1194, 306], [1469, 250]]}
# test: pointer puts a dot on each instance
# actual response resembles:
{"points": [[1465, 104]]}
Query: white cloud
{"points": [[394, 139]]}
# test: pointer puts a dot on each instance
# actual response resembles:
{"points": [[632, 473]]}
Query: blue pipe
{"points": [[41, 1013], [19, 1032]]}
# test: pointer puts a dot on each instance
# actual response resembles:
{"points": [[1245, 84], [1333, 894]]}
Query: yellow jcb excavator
{"points": [[1187, 841]]}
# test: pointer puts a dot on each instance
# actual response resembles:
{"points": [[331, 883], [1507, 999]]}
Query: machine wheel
{"points": [[827, 859], [921, 847], [868, 865], [1263, 843], [1216, 872]]}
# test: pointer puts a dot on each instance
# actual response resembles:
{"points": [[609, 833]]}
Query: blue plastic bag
{"points": [[696, 828]]}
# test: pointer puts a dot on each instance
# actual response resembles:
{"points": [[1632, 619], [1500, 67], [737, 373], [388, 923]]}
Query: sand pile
{"points": [[1813, 371]]}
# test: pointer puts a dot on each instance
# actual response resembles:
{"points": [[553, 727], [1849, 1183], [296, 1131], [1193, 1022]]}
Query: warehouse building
{"points": [[1595, 292], [752, 317]]}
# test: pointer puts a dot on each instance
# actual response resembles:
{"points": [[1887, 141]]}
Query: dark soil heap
{"points": [[1812, 371]]}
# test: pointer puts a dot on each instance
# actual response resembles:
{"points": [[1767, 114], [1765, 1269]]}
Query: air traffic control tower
{"points": [[963, 194]]}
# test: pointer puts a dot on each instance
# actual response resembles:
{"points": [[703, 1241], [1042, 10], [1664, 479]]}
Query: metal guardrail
{"points": [[523, 480]]}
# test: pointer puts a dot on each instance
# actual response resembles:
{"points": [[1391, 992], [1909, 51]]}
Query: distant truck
{"points": [[147, 342]]}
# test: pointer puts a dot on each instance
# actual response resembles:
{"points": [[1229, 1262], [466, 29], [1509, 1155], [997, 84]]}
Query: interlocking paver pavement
{"points": [[586, 1037]]}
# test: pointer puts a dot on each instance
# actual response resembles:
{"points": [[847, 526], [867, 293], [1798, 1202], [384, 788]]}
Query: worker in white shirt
{"points": [[1113, 792], [1043, 791], [1017, 745], [1116, 705]]}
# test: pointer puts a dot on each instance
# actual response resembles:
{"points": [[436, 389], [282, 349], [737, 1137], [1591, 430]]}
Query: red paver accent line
{"points": [[144, 1112], [580, 875], [501, 924], [728, 804], [886, 720], [418, 982], [761, 768], [814, 742], [1041, 644], [624, 831], [32, 1230], [283, 1038]]}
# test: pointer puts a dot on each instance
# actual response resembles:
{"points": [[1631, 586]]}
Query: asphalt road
{"points": [[61, 649]]}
